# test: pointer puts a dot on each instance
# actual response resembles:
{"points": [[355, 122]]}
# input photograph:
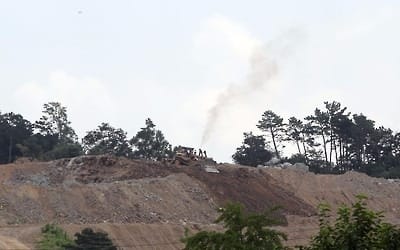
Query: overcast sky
{"points": [[173, 61]]}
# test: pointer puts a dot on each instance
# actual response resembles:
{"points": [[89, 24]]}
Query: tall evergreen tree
{"points": [[294, 131], [274, 126], [335, 114], [343, 126], [320, 123], [362, 133]]}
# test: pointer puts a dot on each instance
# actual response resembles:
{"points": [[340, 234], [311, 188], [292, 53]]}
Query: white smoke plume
{"points": [[265, 64]]}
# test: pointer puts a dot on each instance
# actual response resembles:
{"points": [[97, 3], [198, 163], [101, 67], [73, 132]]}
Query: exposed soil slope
{"points": [[147, 204], [107, 189]]}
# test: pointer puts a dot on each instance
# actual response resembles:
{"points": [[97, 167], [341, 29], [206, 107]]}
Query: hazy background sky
{"points": [[123, 61]]}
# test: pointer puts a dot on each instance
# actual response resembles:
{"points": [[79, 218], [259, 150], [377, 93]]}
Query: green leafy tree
{"points": [[55, 122], [272, 124], [243, 231], [356, 227], [253, 151], [90, 240], [54, 238], [150, 143], [389, 237], [14, 130], [37, 146], [63, 150], [107, 140], [56, 138]]}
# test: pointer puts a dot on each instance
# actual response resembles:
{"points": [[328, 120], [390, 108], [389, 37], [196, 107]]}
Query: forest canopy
{"points": [[330, 140]]}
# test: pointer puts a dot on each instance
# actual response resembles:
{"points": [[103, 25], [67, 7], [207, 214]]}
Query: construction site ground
{"points": [[148, 205]]}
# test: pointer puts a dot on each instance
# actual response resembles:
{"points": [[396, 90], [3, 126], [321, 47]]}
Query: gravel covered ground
{"points": [[122, 193]]}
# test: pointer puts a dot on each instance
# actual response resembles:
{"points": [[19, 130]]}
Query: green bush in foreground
{"points": [[356, 227], [53, 238], [90, 240], [243, 232]]}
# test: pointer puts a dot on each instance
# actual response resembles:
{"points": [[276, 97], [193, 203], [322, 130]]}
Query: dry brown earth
{"points": [[147, 205]]}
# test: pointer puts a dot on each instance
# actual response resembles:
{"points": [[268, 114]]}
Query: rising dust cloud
{"points": [[265, 64]]}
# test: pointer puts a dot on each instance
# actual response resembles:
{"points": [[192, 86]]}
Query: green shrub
{"points": [[243, 232], [356, 227], [90, 240], [53, 238]]}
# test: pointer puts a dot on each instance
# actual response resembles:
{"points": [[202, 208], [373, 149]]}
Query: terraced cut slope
{"points": [[147, 205]]}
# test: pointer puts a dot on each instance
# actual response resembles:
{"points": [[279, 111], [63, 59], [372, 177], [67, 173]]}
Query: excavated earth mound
{"points": [[147, 204]]}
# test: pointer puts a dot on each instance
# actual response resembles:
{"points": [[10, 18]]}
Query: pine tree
{"points": [[272, 124]]}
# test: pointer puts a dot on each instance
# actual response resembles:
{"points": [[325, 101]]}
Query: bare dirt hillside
{"points": [[147, 205]]}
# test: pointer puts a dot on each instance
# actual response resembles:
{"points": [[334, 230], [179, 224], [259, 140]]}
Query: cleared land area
{"points": [[147, 205]]}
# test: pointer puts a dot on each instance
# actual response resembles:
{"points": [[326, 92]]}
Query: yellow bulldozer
{"points": [[185, 156]]}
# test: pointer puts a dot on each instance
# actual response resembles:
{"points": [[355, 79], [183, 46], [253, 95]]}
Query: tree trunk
{"points": [[304, 146], [336, 154], [331, 147], [324, 141], [305, 151], [10, 150], [341, 151], [298, 146], [273, 140]]}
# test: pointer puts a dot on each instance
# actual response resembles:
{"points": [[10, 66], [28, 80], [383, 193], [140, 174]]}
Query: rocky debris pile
{"points": [[341, 189], [393, 180], [37, 179], [98, 189], [211, 169], [86, 169], [151, 200], [287, 165]]}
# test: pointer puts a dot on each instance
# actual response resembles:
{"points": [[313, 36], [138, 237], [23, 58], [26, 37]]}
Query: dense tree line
{"points": [[52, 137], [331, 140]]}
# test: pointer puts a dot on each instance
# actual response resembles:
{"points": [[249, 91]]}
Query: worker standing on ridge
{"points": [[205, 154], [200, 153]]}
